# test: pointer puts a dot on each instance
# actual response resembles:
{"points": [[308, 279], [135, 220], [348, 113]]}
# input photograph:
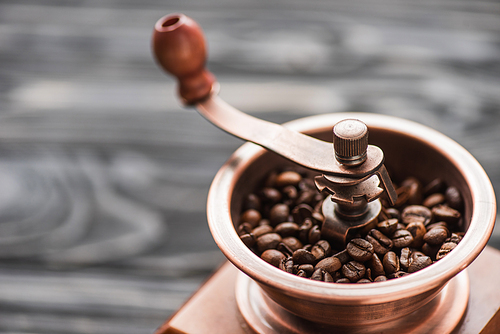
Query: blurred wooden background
{"points": [[103, 176]]}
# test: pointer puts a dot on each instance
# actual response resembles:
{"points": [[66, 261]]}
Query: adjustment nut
{"points": [[350, 142]]}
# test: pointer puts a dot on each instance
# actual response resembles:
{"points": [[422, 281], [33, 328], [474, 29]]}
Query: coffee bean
{"points": [[419, 263], [360, 249], [268, 241], [397, 274], [417, 230], [446, 214], [454, 198], [445, 249], [301, 212], [273, 257], [330, 264], [302, 273], [364, 280], [405, 258], [284, 249], [248, 239], [414, 190], [436, 236], [321, 275], [270, 195], [292, 243], [435, 186], [314, 234], [434, 200], [381, 243], [290, 193], [304, 230], [388, 227], [287, 229], [244, 228], [391, 263], [402, 238], [380, 279], [252, 201], [261, 230], [376, 266], [302, 256], [307, 268], [455, 237], [287, 265], [343, 256], [416, 213], [430, 250], [353, 271], [343, 280], [288, 178], [279, 214]]}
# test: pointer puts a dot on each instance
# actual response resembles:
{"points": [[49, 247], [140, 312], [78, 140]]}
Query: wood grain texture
{"points": [[104, 176]]}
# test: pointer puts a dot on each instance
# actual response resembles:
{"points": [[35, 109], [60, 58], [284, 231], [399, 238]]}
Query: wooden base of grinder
{"points": [[470, 303]]}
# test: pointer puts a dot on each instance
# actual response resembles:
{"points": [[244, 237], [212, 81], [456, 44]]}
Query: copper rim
{"points": [[433, 277]]}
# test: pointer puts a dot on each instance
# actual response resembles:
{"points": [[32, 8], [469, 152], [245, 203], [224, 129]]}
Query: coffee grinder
{"points": [[248, 295]]}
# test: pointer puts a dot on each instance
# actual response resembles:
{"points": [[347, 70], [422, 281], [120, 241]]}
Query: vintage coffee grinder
{"points": [[263, 299]]}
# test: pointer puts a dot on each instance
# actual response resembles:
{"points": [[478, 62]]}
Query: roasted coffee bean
{"points": [[416, 254], [306, 197], [393, 213], [354, 271], [261, 230], [287, 229], [270, 195], [364, 280], [380, 279], [360, 249], [343, 256], [417, 230], [434, 200], [273, 257], [290, 193], [252, 201], [376, 266], [388, 227], [287, 178], [416, 213], [279, 213], [435, 186], [268, 241], [446, 214], [454, 198], [302, 273], [430, 250], [438, 224], [314, 234], [343, 280], [321, 275], [445, 249], [287, 265], [381, 243], [436, 236], [302, 256], [284, 249], [301, 212], [402, 238], [405, 258], [244, 228], [330, 264], [418, 263], [307, 268], [248, 239], [397, 274], [292, 243], [251, 217], [414, 190], [391, 263], [304, 230], [455, 237]]}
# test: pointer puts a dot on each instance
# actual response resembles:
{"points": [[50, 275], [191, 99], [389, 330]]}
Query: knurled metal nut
{"points": [[350, 138]]}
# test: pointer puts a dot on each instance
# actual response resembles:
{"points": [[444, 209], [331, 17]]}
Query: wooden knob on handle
{"points": [[179, 48]]}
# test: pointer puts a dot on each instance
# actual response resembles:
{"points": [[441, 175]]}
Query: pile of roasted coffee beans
{"points": [[281, 223]]}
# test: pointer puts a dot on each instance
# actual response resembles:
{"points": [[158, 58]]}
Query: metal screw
{"points": [[350, 142]]}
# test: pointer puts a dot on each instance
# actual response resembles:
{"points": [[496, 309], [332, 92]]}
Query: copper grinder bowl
{"points": [[410, 149]]}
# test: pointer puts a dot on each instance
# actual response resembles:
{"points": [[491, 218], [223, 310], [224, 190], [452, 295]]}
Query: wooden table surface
{"points": [[104, 177]]}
